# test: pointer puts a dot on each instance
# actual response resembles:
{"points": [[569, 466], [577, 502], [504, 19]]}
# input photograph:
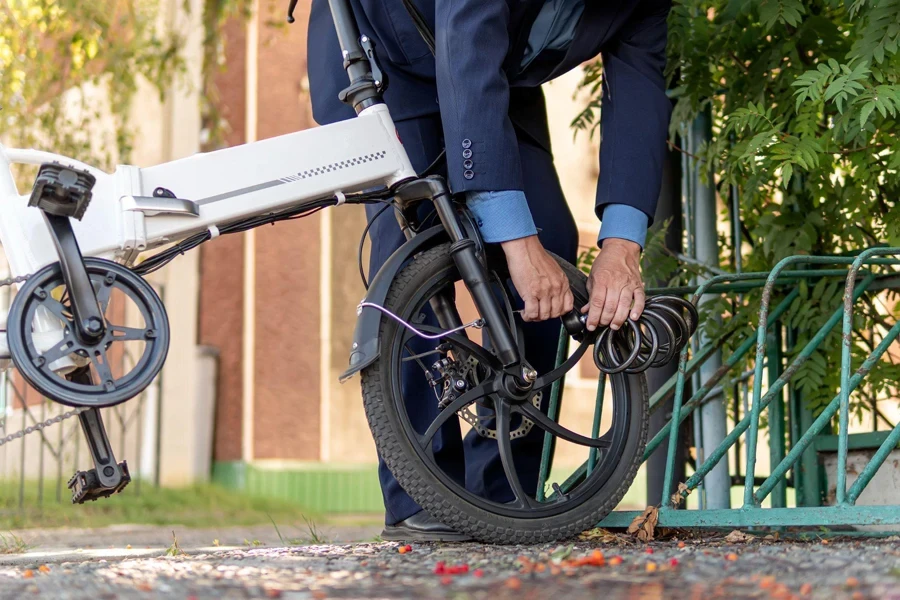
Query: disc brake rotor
{"points": [[469, 372]]}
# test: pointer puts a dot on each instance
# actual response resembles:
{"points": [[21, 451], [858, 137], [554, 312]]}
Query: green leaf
{"points": [[786, 171], [865, 112]]}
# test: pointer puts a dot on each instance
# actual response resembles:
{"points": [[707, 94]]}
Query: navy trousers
{"points": [[475, 460]]}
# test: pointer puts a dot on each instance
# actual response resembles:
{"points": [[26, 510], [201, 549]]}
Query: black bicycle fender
{"points": [[366, 345]]}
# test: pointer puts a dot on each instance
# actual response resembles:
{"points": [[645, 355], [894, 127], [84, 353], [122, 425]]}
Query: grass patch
{"points": [[10, 543], [195, 506]]}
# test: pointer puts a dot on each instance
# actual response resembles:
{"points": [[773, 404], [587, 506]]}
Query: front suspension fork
{"points": [[475, 276]]}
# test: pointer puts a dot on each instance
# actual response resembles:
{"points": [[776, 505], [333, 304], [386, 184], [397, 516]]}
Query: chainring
{"points": [[36, 366]]}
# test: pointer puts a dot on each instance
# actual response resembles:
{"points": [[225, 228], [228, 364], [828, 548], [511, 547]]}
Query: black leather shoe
{"points": [[421, 527]]}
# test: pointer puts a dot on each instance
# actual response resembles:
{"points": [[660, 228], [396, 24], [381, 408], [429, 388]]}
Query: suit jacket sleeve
{"points": [[635, 112], [471, 42]]}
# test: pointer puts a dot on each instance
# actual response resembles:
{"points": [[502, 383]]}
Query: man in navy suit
{"points": [[479, 97]]}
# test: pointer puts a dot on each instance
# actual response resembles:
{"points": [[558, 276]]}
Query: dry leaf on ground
{"points": [[738, 537], [644, 525], [679, 496]]}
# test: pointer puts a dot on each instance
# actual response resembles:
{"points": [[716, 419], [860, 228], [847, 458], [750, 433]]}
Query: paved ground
{"points": [[687, 568]]}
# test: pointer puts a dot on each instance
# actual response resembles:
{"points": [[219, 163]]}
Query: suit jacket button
{"points": [[467, 153], [467, 143], [467, 164], [468, 174]]}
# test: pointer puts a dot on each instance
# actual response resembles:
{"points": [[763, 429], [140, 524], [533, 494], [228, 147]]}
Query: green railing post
{"points": [[753, 436], [824, 418], [776, 413], [777, 385], [556, 392], [846, 345], [595, 428]]}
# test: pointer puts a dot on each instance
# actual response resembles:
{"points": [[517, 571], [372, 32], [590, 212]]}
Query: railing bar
{"points": [[887, 446], [774, 388], [595, 428], [826, 416], [701, 394], [846, 345], [556, 392]]}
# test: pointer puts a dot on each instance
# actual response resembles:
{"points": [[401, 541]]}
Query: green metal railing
{"points": [[804, 433]]}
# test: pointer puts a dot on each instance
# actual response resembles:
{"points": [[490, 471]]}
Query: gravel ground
{"points": [[691, 568]]}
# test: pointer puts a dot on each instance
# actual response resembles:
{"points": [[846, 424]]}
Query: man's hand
{"points": [[615, 285], [538, 279]]}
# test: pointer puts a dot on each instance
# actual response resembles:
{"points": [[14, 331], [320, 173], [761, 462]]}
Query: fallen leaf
{"points": [[644, 525], [272, 593], [852, 582], [679, 496], [561, 553], [513, 583], [598, 534], [651, 567], [857, 596], [615, 560], [805, 589], [681, 544], [825, 542], [28, 574], [44, 569], [767, 582], [738, 537], [673, 562], [731, 556], [480, 573], [145, 587], [128, 547], [446, 580]]}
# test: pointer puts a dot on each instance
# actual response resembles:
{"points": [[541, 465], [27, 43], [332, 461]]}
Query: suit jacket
{"points": [[477, 83]]}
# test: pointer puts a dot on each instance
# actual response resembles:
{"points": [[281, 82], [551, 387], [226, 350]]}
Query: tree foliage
{"points": [[805, 101], [68, 66]]}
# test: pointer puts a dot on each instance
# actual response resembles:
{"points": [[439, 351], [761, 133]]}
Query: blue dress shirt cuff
{"points": [[624, 222], [502, 216]]}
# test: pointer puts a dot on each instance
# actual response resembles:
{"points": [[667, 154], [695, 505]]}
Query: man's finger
{"points": [[640, 297], [568, 302], [556, 305], [530, 312], [622, 309], [609, 305], [544, 307], [595, 306]]}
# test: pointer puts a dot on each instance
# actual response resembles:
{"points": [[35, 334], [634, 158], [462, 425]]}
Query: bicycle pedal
{"points": [[63, 191], [85, 485]]}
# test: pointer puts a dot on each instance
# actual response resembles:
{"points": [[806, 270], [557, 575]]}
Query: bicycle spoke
{"points": [[101, 364], [103, 295], [506, 456], [63, 348], [484, 357], [545, 423], [121, 333], [56, 307], [449, 412]]}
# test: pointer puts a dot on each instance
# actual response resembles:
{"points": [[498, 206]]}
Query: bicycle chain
{"points": [[47, 422], [39, 426]]}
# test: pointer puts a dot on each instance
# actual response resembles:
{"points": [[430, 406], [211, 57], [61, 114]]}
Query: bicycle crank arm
{"points": [[107, 477], [89, 323]]}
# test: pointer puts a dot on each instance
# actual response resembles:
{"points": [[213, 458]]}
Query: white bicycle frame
{"points": [[124, 218]]}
